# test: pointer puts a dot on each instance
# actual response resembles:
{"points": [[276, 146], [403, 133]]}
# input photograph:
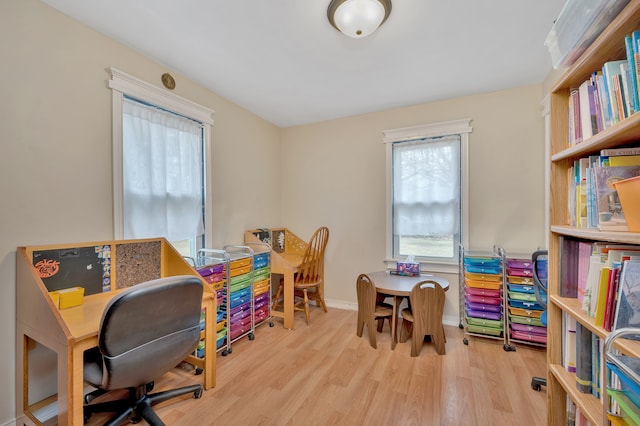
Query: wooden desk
{"points": [[399, 287], [69, 332], [286, 257]]}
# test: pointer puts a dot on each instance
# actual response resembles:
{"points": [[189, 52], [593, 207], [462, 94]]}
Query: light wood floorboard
{"points": [[323, 374]]}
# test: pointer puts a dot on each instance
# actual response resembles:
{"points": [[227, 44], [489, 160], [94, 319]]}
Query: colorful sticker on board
{"points": [[47, 268]]}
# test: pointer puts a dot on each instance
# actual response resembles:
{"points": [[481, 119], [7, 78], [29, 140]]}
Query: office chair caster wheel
{"points": [[198, 371], [465, 341], [509, 348], [93, 395], [149, 386], [251, 336]]}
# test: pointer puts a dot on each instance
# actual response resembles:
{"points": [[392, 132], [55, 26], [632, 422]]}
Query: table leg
{"points": [[288, 300], [394, 321]]}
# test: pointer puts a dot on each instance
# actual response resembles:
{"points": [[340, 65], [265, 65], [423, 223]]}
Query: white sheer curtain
{"points": [[426, 187], [162, 173]]}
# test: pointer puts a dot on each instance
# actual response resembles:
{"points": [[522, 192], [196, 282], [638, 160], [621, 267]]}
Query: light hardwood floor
{"points": [[323, 374]]}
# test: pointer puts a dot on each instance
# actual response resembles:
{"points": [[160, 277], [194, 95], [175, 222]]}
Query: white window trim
{"points": [[122, 84], [455, 127]]}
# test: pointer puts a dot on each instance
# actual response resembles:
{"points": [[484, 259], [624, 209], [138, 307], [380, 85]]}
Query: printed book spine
{"points": [[583, 358], [631, 63]]}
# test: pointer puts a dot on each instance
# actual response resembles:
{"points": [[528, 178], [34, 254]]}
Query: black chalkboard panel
{"points": [[87, 267]]}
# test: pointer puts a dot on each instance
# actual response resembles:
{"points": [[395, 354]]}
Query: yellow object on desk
{"points": [[70, 297]]}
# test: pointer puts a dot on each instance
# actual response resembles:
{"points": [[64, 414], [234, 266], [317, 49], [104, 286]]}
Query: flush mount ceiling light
{"points": [[358, 18]]}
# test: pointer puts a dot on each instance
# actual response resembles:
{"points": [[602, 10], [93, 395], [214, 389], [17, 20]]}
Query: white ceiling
{"points": [[282, 60]]}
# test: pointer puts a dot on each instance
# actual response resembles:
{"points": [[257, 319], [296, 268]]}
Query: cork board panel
{"points": [[137, 263]]}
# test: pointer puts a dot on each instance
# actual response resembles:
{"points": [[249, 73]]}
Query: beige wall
{"points": [[55, 131], [334, 174], [56, 180]]}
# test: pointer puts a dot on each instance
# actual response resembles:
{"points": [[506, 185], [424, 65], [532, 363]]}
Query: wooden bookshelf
{"points": [[608, 46]]}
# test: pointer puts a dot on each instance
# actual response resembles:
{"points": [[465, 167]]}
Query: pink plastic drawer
{"points": [[520, 272], [482, 299], [481, 292], [530, 337]]}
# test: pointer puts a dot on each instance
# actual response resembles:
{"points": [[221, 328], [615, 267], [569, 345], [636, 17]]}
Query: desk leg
{"points": [[288, 300], [75, 366], [210, 344]]}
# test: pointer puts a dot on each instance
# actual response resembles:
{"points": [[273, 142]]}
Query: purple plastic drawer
{"points": [[481, 292], [239, 322], [483, 307], [240, 310], [483, 299], [261, 304], [519, 263], [484, 314], [529, 329], [207, 270], [262, 297]]}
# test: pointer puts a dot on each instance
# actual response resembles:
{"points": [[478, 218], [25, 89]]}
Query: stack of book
{"points": [[593, 200], [605, 279], [608, 97]]}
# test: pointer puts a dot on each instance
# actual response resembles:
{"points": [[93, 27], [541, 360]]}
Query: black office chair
{"points": [[540, 267], [145, 331]]}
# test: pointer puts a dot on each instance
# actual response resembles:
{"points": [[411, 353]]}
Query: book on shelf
{"points": [[609, 208], [603, 287], [635, 47], [584, 255], [583, 359], [596, 365], [593, 280], [571, 412], [628, 305], [569, 267], [603, 97], [623, 160], [612, 78], [569, 342], [631, 63], [631, 150], [588, 114], [612, 292]]}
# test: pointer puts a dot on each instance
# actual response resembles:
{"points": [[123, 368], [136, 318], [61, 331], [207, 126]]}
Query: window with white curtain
{"points": [[161, 176], [426, 191], [163, 166]]}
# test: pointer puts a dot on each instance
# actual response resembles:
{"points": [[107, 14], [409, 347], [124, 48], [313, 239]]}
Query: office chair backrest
{"points": [[312, 267], [539, 260], [540, 271], [148, 329]]}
